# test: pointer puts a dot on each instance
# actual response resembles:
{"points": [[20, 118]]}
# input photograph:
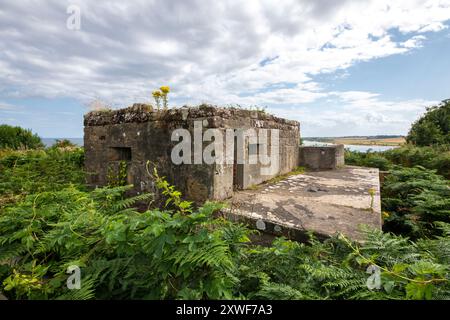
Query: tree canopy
{"points": [[18, 138], [433, 127]]}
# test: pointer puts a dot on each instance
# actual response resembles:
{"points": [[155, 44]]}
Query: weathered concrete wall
{"points": [[288, 143], [146, 141], [322, 157], [137, 134]]}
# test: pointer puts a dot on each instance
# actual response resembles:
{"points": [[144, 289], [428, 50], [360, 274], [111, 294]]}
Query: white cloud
{"points": [[6, 106], [433, 27], [205, 52], [358, 113], [414, 42]]}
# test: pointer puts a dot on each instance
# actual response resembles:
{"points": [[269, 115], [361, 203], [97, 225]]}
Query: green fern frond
{"points": [[86, 291]]}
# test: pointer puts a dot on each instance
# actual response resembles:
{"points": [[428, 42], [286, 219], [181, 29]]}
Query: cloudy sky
{"points": [[339, 67]]}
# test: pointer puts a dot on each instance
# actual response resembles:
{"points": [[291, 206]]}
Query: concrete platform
{"points": [[324, 202]]}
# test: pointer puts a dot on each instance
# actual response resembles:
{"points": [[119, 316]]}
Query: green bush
{"points": [[433, 128], [18, 138], [433, 158], [367, 159]]}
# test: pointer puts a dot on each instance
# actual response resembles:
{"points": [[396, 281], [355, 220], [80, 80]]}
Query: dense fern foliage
{"points": [[188, 254], [415, 198], [338, 269], [122, 253], [49, 222], [31, 171]]}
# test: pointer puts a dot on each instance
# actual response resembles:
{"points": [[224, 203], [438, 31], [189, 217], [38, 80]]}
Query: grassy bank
{"points": [[371, 142], [366, 141]]}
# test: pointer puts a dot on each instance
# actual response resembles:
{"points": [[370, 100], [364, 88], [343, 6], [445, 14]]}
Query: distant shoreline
{"points": [[391, 141]]}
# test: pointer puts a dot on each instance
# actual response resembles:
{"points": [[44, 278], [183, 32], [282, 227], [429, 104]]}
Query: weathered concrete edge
{"points": [[287, 230], [290, 231]]}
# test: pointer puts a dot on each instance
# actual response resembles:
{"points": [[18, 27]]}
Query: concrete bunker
{"points": [[132, 136], [330, 198]]}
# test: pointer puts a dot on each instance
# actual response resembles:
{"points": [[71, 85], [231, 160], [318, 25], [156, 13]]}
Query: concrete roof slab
{"points": [[324, 202]]}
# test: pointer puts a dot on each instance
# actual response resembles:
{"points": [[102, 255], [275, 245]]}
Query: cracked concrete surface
{"points": [[324, 202]]}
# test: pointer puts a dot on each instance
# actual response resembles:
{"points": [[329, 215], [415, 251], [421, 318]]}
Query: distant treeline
{"points": [[353, 137]]}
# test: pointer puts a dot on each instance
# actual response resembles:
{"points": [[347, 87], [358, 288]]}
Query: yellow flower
{"points": [[156, 94], [164, 89]]}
